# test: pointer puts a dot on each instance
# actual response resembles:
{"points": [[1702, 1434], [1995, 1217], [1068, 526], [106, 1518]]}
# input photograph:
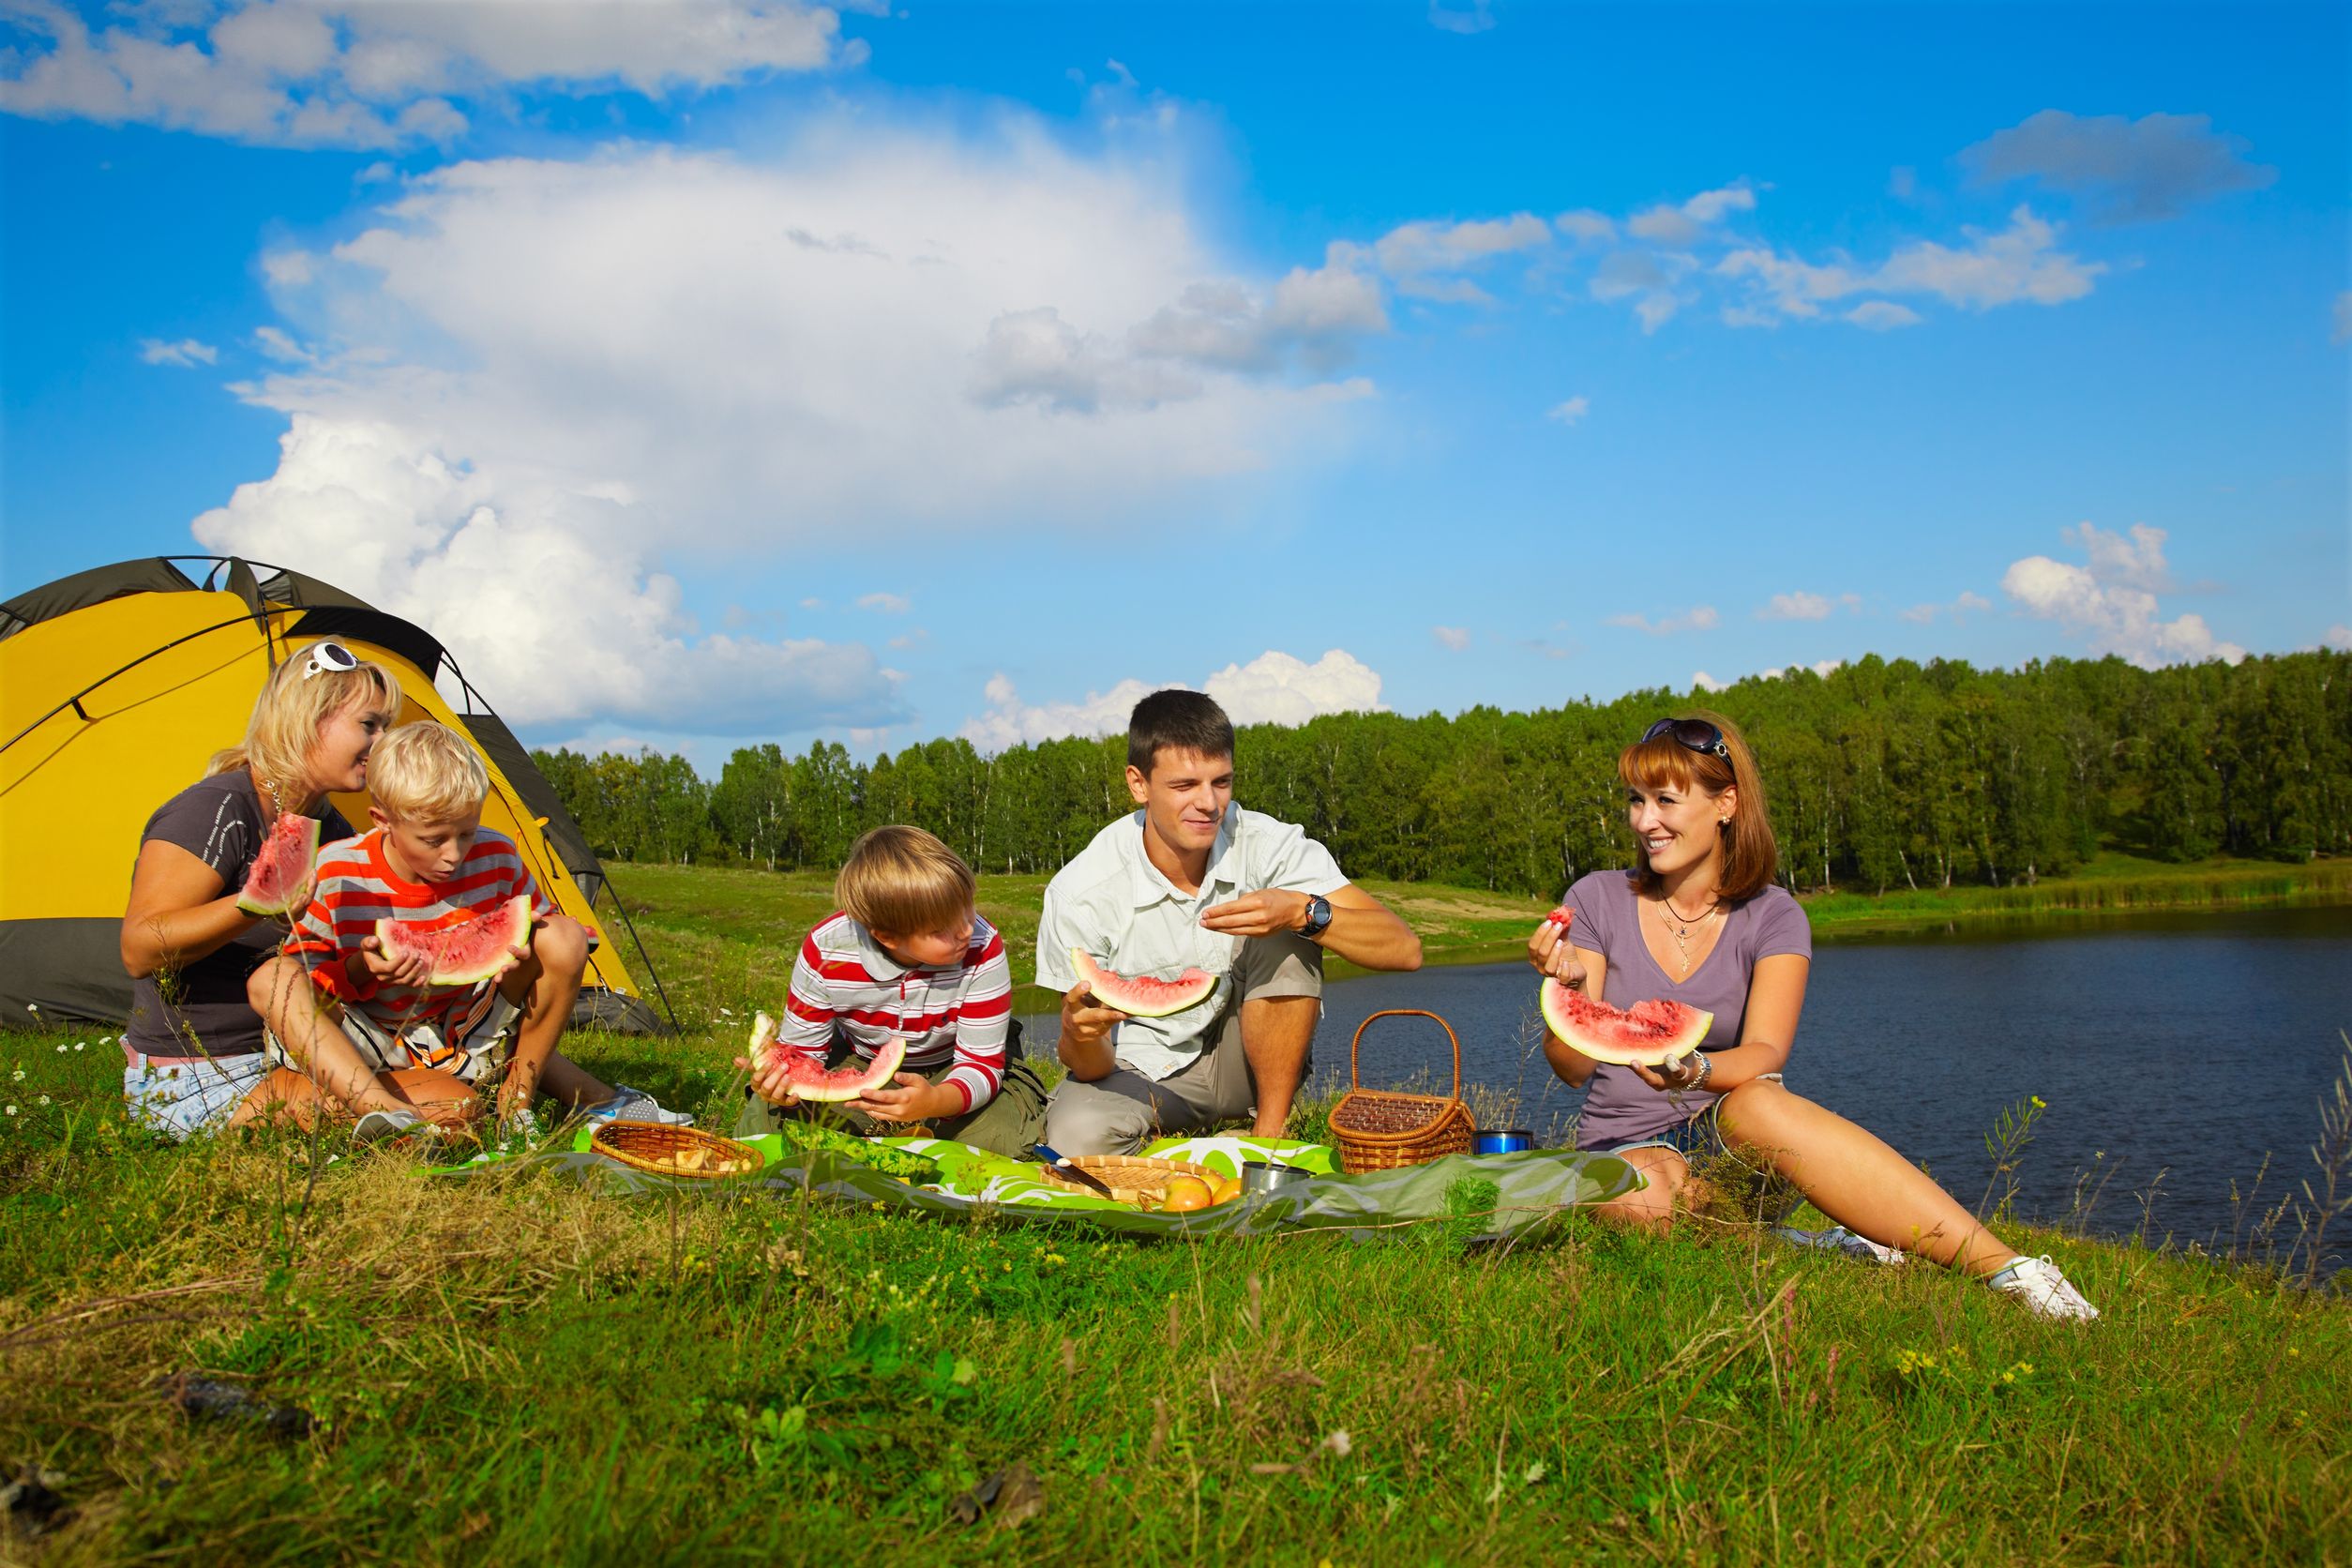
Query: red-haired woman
{"points": [[1699, 921]]}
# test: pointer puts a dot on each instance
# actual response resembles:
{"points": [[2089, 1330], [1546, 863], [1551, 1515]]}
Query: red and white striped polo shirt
{"points": [[355, 887], [844, 984]]}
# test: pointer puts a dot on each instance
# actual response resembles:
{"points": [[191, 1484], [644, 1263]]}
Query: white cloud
{"points": [[1456, 638], [1882, 315], [1701, 681], [2148, 169], [187, 353], [2339, 637], [886, 604], [1587, 227], [1272, 688], [1960, 609], [1569, 412], [646, 346], [2342, 332], [2112, 601], [1687, 223], [1649, 279], [1426, 259], [534, 586], [1447, 19], [812, 603], [288, 269], [1697, 619], [276, 343], [1799, 605], [1826, 667], [381, 73]]}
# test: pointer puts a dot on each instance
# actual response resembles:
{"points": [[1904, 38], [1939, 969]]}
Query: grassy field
{"points": [[516, 1368]]}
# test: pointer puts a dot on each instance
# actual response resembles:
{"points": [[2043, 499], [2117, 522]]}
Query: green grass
{"points": [[517, 1369]]}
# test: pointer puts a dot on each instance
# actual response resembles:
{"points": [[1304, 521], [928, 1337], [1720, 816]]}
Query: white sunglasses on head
{"points": [[329, 657]]}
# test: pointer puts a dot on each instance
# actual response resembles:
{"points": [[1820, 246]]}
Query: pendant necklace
{"points": [[1681, 929]]}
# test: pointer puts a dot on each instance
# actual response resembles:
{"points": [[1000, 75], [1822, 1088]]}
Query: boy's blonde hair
{"points": [[296, 701], [903, 880], [427, 773]]}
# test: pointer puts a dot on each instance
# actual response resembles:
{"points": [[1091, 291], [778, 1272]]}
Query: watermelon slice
{"points": [[1649, 1034], [810, 1081], [280, 883], [466, 952], [1142, 996]]}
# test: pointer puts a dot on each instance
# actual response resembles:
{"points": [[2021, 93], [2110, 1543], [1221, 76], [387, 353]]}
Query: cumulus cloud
{"points": [[1274, 687], [533, 588], [1687, 222], [1882, 315], [1569, 412], [1587, 227], [635, 347], [2008, 266], [1799, 605], [1701, 681], [1966, 604], [2111, 601], [2151, 168], [188, 352], [2339, 637], [1456, 638], [383, 73], [1427, 259], [886, 604], [1697, 619]]}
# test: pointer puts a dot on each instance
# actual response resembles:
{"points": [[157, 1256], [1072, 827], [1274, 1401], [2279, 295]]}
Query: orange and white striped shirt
{"points": [[355, 887]]}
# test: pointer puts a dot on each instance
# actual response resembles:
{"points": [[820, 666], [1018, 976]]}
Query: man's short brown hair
{"points": [[904, 881], [1179, 719]]}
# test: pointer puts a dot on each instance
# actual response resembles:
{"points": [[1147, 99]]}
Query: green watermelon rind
{"points": [[1601, 1032], [831, 1086], [1123, 994], [274, 860], [490, 929]]}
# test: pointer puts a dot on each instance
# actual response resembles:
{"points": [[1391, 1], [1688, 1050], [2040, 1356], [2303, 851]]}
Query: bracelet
{"points": [[1706, 1071]]}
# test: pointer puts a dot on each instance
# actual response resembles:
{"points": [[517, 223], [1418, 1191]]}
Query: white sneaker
{"points": [[378, 1126], [635, 1105], [2038, 1283]]}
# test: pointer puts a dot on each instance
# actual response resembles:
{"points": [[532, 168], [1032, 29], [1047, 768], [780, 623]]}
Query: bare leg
{"points": [[545, 984], [1277, 1032], [572, 1084], [308, 1025], [287, 1095], [1648, 1207], [1856, 1178]]}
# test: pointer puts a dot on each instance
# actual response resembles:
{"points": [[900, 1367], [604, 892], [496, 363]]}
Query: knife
{"points": [[1063, 1167]]}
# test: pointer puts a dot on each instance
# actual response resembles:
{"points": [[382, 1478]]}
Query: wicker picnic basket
{"points": [[1131, 1178], [1380, 1129], [644, 1145]]}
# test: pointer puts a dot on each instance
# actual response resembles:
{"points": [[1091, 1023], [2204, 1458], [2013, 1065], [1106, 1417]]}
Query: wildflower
{"points": [[12, 1111], [1339, 1442], [19, 1078], [61, 1050], [32, 1007], [44, 1099], [81, 1045], [1535, 1472]]}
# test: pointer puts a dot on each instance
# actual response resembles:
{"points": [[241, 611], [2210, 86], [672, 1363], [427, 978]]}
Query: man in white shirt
{"points": [[1193, 881]]}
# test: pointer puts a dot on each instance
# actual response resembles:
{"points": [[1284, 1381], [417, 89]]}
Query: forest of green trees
{"points": [[1883, 774]]}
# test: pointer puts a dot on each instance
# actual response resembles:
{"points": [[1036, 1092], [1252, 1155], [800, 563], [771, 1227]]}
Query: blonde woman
{"points": [[193, 1048], [1699, 921]]}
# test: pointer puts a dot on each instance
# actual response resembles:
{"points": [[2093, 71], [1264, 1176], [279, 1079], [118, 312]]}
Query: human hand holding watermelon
{"points": [[1551, 953], [911, 1097]]}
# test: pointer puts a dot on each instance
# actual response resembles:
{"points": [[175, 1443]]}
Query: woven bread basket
{"points": [[1380, 1129], [692, 1154], [1137, 1178]]}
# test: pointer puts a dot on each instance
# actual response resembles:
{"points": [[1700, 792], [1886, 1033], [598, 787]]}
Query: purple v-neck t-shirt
{"points": [[1617, 1104]]}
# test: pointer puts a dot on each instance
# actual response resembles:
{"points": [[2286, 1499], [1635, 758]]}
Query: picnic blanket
{"points": [[1507, 1196]]}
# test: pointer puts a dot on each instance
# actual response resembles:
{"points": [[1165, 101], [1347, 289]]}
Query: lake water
{"points": [[2174, 1052]]}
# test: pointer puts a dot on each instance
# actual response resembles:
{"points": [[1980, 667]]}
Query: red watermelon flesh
{"points": [[1142, 996], [1562, 917], [280, 883], [464, 952], [812, 1080], [1649, 1034]]}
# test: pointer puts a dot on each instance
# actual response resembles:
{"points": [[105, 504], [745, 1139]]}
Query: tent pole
{"points": [[623, 910]]}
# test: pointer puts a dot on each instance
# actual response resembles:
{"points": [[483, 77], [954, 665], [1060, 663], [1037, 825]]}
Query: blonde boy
{"points": [[908, 958], [428, 858]]}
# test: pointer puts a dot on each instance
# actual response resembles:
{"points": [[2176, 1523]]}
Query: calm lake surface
{"points": [[2175, 1051]]}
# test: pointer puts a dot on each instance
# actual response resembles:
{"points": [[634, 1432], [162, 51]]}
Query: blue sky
{"points": [[706, 371]]}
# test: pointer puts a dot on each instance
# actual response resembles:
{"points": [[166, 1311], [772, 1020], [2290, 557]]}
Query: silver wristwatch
{"points": [[1317, 916]]}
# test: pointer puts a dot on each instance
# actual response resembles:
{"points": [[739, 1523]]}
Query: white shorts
{"points": [[178, 1096]]}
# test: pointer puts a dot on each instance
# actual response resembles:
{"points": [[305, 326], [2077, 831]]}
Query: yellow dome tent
{"points": [[117, 684]]}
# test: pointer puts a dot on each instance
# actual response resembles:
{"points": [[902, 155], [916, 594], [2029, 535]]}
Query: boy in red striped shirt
{"points": [[375, 1033], [907, 958]]}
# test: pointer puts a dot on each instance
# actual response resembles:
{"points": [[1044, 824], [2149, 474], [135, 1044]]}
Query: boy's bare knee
{"points": [[561, 946]]}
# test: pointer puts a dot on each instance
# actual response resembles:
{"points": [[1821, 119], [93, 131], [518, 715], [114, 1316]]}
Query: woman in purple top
{"points": [[1699, 921]]}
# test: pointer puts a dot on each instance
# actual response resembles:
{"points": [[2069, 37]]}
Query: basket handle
{"points": [[1355, 1079]]}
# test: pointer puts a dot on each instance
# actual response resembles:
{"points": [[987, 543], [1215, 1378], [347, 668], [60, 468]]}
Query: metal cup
{"points": [[1509, 1140], [1266, 1176]]}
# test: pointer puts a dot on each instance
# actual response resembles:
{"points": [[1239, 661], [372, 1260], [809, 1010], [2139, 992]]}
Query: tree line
{"points": [[1882, 775]]}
